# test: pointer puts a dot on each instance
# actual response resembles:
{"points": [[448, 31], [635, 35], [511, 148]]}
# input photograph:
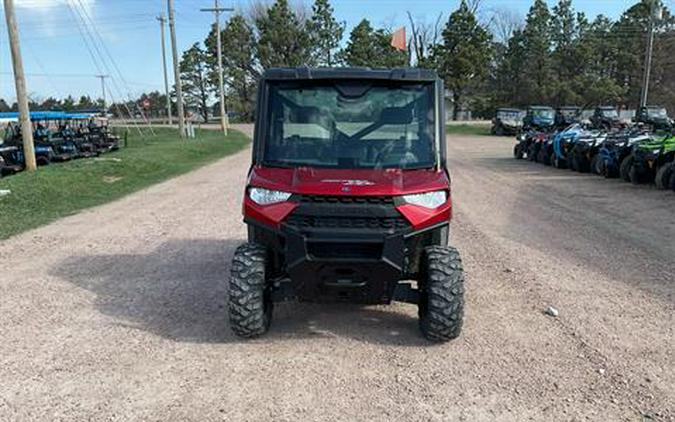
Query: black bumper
{"points": [[353, 252]]}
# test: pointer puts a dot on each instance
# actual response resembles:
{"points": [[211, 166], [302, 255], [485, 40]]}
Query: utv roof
{"points": [[606, 107], [509, 109], [540, 108], [305, 73]]}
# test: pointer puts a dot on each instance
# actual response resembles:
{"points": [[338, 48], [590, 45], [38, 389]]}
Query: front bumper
{"points": [[354, 252]]}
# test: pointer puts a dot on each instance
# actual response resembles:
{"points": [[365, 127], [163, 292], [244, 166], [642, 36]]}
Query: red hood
{"points": [[313, 181]]}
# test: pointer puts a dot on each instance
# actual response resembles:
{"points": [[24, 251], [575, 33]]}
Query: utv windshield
{"points": [[657, 112], [509, 114], [569, 112], [350, 125], [611, 113], [544, 113]]}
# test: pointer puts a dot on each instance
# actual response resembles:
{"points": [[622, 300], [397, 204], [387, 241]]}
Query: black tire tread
{"points": [[249, 315], [442, 313], [625, 167], [662, 179]]}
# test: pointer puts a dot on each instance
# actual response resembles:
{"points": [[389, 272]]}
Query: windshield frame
{"points": [[263, 130]]}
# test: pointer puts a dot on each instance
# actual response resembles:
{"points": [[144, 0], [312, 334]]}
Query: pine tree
{"points": [[283, 39], [325, 33], [240, 65], [464, 56], [372, 48], [537, 43], [195, 79]]}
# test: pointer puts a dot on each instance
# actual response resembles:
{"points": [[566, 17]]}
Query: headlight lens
{"points": [[267, 197], [427, 200]]}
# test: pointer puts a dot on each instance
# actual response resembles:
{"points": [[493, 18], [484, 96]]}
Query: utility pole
{"points": [[102, 78], [161, 20], [176, 71], [216, 12], [654, 14], [20, 82]]}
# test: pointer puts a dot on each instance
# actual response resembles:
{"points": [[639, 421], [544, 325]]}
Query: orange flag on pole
{"points": [[398, 40]]}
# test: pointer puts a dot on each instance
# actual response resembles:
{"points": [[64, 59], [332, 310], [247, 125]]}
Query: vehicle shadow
{"points": [[179, 291]]}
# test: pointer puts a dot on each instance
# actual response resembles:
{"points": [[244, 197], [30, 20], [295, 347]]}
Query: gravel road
{"points": [[119, 312]]}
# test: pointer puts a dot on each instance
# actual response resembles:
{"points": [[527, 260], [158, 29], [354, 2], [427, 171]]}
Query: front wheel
{"points": [[662, 179], [441, 306], [250, 305], [625, 168], [558, 162], [518, 152], [596, 165]]}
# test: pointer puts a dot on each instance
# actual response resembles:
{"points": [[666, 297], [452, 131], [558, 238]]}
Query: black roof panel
{"points": [[305, 73]]}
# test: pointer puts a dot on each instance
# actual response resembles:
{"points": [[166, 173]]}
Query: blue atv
{"points": [[562, 144], [614, 151]]}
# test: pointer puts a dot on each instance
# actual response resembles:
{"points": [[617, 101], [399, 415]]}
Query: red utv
{"points": [[348, 198]]}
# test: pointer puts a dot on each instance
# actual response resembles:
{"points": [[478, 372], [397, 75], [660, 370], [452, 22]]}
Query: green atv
{"points": [[652, 161]]}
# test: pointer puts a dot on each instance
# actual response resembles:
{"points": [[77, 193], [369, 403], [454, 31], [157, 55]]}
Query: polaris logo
{"points": [[349, 182]]}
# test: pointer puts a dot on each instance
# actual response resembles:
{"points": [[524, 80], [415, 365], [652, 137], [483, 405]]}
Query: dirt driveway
{"points": [[119, 312]]}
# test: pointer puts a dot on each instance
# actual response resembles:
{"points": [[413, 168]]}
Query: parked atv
{"points": [[562, 145], [537, 144], [545, 150], [348, 196], [654, 117], [525, 144], [584, 156], [648, 157], [648, 161], [539, 118], [566, 116], [605, 118], [507, 121], [615, 149]]}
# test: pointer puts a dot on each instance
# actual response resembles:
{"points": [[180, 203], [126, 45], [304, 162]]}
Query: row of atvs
{"points": [[631, 154]]}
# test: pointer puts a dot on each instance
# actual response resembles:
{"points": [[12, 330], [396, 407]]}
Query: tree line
{"points": [[84, 103], [487, 58]]}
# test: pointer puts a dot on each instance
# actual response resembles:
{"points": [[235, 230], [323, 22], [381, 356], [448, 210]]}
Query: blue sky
{"points": [[58, 63]]}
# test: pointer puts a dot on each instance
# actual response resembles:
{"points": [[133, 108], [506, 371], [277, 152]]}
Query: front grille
{"points": [[316, 222], [325, 199], [344, 250]]}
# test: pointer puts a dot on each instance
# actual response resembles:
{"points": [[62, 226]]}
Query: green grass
{"points": [[462, 129], [63, 189]]}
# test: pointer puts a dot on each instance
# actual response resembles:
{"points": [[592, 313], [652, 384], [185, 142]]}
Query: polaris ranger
{"points": [[348, 198], [540, 118], [566, 116], [605, 118], [507, 121], [654, 117]]}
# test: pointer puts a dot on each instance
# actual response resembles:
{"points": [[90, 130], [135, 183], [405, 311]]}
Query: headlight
{"points": [[428, 199], [266, 197]]}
